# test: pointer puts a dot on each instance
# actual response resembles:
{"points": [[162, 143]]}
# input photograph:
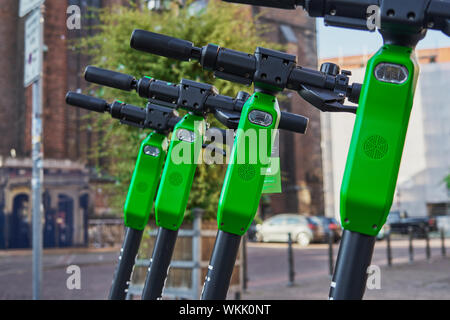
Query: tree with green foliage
{"points": [[117, 145]]}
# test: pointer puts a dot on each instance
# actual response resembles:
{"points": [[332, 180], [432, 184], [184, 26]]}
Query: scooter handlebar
{"points": [[434, 14], [162, 45], [281, 4], [293, 122], [109, 78], [86, 102]]}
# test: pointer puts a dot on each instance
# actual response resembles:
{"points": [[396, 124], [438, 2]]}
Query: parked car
{"points": [[331, 225], [316, 225], [399, 222], [251, 232], [277, 228]]}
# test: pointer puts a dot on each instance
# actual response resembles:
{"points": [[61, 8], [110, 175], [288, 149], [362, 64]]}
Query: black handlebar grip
{"points": [[161, 45], [293, 122], [109, 78], [282, 4], [86, 102], [355, 92]]}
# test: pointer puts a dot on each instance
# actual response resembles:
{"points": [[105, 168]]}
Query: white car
{"points": [[277, 228]]}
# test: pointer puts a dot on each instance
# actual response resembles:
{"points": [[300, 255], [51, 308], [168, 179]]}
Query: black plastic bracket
{"points": [[272, 69], [158, 117], [193, 96], [409, 19]]}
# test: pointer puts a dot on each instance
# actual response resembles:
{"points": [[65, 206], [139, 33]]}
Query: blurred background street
{"points": [[267, 272]]}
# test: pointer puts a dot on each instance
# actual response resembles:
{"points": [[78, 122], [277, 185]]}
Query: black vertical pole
{"points": [[291, 272], [124, 268], [443, 242], [389, 250], [330, 252], [350, 274], [427, 243], [411, 249], [159, 264], [244, 263], [221, 266]]}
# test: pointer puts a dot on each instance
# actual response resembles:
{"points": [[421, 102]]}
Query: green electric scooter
{"points": [[198, 99], [381, 124], [146, 175], [271, 72]]}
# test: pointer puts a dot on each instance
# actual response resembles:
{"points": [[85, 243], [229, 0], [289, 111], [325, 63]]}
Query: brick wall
{"points": [[65, 136], [11, 61], [55, 112]]}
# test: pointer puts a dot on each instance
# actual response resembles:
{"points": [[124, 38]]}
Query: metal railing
{"points": [[196, 265], [105, 232]]}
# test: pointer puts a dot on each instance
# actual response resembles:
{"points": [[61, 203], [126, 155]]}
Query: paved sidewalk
{"points": [[267, 272], [97, 267], [420, 280]]}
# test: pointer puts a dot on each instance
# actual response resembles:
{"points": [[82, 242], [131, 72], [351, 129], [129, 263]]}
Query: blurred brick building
{"points": [[70, 187], [68, 193]]}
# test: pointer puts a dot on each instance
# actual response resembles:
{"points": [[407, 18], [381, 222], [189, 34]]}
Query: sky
{"points": [[334, 42]]}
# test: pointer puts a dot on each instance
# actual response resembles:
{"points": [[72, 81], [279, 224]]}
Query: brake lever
{"points": [[325, 100], [227, 118], [214, 148], [211, 135]]}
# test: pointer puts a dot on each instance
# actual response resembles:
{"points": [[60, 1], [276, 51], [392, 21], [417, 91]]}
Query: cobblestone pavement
{"points": [[419, 280], [97, 267], [267, 270]]}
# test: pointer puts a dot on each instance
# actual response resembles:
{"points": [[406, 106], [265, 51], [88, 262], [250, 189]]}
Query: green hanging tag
{"points": [[272, 180]]}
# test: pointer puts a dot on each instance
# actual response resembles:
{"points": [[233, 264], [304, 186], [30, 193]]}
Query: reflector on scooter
{"points": [[392, 73], [186, 135], [151, 151], [260, 118]]}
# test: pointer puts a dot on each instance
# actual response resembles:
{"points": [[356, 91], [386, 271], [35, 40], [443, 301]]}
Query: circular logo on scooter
{"points": [[175, 178], [246, 171], [142, 186], [375, 147]]}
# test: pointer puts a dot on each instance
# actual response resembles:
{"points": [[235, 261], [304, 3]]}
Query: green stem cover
{"points": [[176, 181], [378, 138], [144, 181], [248, 163]]}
